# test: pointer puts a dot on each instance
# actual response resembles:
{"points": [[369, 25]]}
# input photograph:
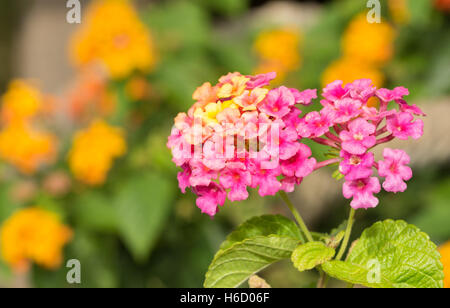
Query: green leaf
{"points": [[391, 254], [232, 266], [142, 207], [257, 243], [309, 255], [94, 211], [263, 226]]}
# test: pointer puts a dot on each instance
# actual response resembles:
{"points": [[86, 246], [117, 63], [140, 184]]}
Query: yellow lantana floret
{"points": [[33, 234], [94, 150], [113, 35]]}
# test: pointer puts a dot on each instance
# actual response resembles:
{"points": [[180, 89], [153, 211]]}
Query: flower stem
{"points": [[297, 216], [326, 163], [326, 142], [348, 231], [322, 283]]}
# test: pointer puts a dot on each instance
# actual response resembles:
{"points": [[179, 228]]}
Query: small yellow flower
{"points": [[279, 46], [21, 102], [348, 70], [445, 259], [94, 150], [26, 148], [368, 43], [35, 235], [234, 88], [112, 34]]}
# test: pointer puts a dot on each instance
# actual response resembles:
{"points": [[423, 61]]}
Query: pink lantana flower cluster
{"points": [[351, 125], [240, 134]]}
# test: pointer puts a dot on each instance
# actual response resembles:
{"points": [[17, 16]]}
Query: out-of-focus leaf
{"points": [[94, 211], [391, 254], [98, 260], [226, 7], [142, 206], [178, 25], [420, 11], [178, 78], [435, 213], [7, 205]]}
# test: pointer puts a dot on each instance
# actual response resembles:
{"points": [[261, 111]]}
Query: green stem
{"points": [[297, 216], [348, 231], [322, 283]]}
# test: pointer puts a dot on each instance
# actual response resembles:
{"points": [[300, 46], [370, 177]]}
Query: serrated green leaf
{"points": [[263, 226], [142, 206], [391, 254], [234, 265], [309, 255]]}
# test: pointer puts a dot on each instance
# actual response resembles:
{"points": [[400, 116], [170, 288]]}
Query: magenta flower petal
{"points": [[394, 169]]}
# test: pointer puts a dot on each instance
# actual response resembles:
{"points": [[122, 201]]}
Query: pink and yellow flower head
{"points": [[33, 234], [113, 35], [240, 134], [349, 124], [94, 150]]}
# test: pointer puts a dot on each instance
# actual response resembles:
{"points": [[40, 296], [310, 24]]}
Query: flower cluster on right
{"points": [[349, 125]]}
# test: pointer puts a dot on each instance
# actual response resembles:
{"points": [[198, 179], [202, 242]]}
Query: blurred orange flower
{"points": [[278, 51], [113, 35], [21, 102], [137, 88], [26, 148], [33, 234], [348, 70], [94, 150], [89, 95], [368, 43], [445, 259], [443, 5]]}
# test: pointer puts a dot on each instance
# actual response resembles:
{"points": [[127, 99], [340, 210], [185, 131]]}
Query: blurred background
{"points": [[86, 110]]}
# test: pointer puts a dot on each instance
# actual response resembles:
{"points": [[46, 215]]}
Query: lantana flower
{"points": [[33, 234], [355, 127], [239, 135]]}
